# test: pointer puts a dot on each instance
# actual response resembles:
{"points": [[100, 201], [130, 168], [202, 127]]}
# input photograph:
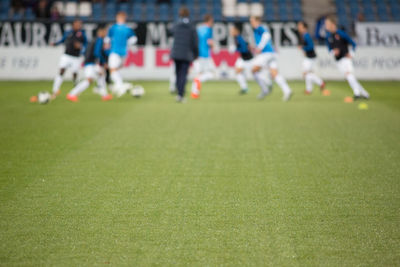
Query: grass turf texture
{"points": [[226, 180]]}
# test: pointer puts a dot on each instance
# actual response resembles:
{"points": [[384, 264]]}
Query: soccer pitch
{"points": [[224, 180]]}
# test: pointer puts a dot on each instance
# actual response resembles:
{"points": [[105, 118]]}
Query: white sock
{"points": [[117, 79], [241, 79], [283, 84], [315, 78], [80, 87], [172, 81], [351, 79], [101, 83], [206, 76], [259, 77], [309, 82], [194, 88], [58, 80]]}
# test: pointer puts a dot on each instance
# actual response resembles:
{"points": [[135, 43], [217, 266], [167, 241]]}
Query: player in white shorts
{"points": [[245, 64], [119, 37], [75, 42], [266, 58], [94, 70], [204, 65], [338, 44], [307, 45]]}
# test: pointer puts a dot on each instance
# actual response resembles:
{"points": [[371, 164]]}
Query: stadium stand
{"points": [[231, 10], [153, 10], [367, 10]]}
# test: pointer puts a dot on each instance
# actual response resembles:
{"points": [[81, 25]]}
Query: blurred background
{"points": [[33, 24]]}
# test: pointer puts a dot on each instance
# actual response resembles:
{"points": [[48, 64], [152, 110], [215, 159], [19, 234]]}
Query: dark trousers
{"points": [[181, 71]]}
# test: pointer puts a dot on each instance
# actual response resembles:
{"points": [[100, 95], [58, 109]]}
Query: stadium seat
{"points": [[137, 11], [71, 10], [124, 7], [256, 9], [110, 10], [97, 11], [164, 12], [29, 15], [243, 10], [85, 9], [60, 5]]}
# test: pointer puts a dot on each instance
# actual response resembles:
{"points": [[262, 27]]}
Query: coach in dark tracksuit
{"points": [[184, 50]]}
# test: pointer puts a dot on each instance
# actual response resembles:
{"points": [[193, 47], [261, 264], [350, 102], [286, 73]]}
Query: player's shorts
{"points": [[243, 64], [202, 64], [70, 62], [345, 65], [115, 61], [266, 60], [308, 64], [92, 71]]}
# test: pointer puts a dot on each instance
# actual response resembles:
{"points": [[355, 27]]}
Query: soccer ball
{"points": [[44, 97], [137, 91]]}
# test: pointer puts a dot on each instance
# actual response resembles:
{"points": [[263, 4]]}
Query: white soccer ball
{"points": [[44, 97], [137, 91]]}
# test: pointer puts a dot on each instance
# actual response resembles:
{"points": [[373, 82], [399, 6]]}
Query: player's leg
{"points": [[172, 79], [310, 76], [240, 76], [83, 85], [208, 70], [182, 68], [114, 63], [345, 65], [102, 84], [75, 66], [279, 79], [196, 84], [260, 78], [58, 80]]}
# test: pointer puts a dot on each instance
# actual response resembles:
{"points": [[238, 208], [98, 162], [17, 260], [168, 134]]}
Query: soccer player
{"points": [[266, 58], [244, 62], [338, 43], [94, 69], [119, 37], [307, 45], [75, 41], [204, 65]]}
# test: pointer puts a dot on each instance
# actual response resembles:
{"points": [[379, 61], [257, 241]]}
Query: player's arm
{"points": [[84, 43], [309, 44], [348, 39], [210, 40], [62, 40], [265, 38], [98, 51], [107, 39], [328, 44], [132, 40]]}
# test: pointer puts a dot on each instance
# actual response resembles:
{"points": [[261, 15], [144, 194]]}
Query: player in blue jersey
{"points": [[338, 43], [119, 37], [245, 61], [75, 42], [307, 46], [94, 68], [204, 65], [266, 58]]}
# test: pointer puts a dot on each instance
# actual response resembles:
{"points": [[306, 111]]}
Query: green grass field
{"points": [[226, 180]]}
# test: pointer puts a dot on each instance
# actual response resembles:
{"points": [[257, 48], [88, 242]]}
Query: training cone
{"points": [[348, 99], [33, 99], [326, 92], [362, 106]]}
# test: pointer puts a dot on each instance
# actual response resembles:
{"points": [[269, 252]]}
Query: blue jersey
{"points": [[243, 48], [95, 52], [258, 35], [71, 38], [307, 45], [119, 35], [204, 33], [339, 40]]}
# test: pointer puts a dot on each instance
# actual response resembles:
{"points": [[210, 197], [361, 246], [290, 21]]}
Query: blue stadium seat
{"points": [[29, 14], [97, 11], [111, 10], [164, 12], [137, 11], [150, 12], [124, 7]]}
